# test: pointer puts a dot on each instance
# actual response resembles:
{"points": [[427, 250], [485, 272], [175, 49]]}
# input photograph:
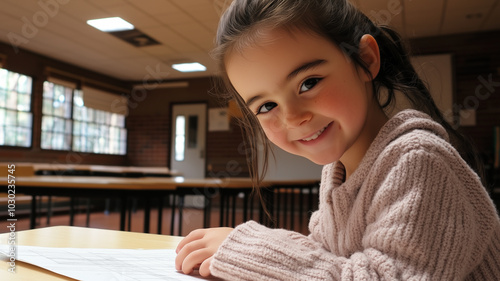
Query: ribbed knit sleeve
{"points": [[413, 210], [254, 252], [420, 229]]}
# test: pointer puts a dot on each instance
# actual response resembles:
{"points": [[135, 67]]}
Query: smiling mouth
{"points": [[317, 134]]}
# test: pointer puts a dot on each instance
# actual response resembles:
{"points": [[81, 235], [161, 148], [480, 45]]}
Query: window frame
{"points": [[29, 112], [107, 126], [66, 119]]}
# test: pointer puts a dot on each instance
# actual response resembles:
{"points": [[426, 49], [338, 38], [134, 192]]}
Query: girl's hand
{"points": [[197, 249]]}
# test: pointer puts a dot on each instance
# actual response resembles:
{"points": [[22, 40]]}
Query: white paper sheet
{"points": [[104, 264]]}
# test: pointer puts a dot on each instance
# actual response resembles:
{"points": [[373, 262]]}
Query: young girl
{"points": [[397, 201]]}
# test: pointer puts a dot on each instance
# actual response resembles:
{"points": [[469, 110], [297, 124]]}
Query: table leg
{"points": [[181, 206], [33, 212], [160, 214], [206, 212], [72, 211], [49, 210], [233, 219], [147, 211], [123, 212], [130, 209], [87, 221], [221, 215], [228, 206], [245, 206], [39, 207], [172, 221]]}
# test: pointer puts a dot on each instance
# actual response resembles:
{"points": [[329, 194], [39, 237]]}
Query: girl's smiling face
{"points": [[308, 96]]}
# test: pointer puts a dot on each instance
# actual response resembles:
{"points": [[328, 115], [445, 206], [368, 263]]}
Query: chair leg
{"points": [[49, 210], [107, 206], [87, 222]]}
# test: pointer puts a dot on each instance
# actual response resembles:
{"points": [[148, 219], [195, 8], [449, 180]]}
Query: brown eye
{"points": [[309, 84], [267, 107]]}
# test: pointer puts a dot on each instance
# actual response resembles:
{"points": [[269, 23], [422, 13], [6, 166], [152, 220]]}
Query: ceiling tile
{"points": [[204, 10], [160, 51], [464, 5], [423, 7], [84, 10], [191, 29], [147, 67], [171, 39], [211, 25], [458, 21], [106, 3], [221, 5], [374, 6], [133, 15], [415, 27], [11, 23], [492, 21], [155, 7], [398, 25], [175, 18], [190, 4]]}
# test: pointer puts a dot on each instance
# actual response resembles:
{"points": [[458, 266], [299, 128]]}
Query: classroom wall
{"points": [[476, 61], [285, 166], [34, 65], [149, 125]]}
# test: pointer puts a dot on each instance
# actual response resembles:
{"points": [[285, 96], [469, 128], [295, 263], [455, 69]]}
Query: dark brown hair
{"points": [[342, 23]]}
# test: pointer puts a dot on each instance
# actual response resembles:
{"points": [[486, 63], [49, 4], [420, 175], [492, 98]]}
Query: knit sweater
{"points": [[412, 210]]}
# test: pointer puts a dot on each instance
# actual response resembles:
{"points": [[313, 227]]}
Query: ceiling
{"points": [[186, 29]]}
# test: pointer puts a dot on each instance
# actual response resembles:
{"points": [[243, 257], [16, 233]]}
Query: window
{"points": [[78, 120], [97, 131], [15, 109], [180, 137], [56, 119]]}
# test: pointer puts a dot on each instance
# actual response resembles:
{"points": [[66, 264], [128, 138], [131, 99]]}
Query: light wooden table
{"points": [[76, 237]]}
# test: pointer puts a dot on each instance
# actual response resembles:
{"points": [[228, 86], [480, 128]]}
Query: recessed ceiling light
{"points": [[189, 67], [111, 24]]}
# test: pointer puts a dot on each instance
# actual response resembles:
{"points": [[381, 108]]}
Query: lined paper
{"points": [[104, 264]]}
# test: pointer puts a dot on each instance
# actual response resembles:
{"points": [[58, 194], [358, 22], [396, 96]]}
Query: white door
{"points": [[188, 139]]}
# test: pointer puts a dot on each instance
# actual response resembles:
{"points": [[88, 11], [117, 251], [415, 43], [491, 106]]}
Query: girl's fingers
{"points": [[186, 250], [193, 235], [194, 259], [205, 267]]}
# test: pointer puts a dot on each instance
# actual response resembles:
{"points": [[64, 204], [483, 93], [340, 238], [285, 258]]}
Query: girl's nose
{"points": [[296, 117]]}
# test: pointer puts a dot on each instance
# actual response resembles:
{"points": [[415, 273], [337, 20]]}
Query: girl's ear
{"points": [[369, 53]]}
